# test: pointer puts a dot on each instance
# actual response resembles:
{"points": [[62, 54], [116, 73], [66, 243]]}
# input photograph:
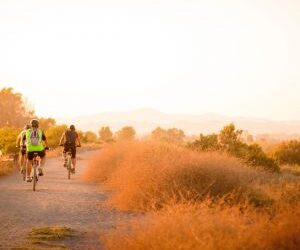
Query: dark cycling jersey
{"points": [[71, 137]]}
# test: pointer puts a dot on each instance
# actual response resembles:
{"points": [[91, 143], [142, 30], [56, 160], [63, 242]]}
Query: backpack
{"points": [[34, 137], [71, 136]]}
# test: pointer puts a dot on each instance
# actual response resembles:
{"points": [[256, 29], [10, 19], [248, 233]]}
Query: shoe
{"points": [[28, 179], [40, 170]]}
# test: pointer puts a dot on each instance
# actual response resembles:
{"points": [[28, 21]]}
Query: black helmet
{"points": [[27, 126], [72, 127], [34, 123]]}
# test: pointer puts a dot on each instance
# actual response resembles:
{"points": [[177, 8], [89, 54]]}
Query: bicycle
{"points": [[68, 162], [35, 164]]}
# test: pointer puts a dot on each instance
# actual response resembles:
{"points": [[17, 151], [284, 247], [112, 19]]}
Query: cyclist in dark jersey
{"points": [[70, 139]]}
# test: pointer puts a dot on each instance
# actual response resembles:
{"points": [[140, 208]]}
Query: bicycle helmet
{"points": [[72, 127], [34, 123]]}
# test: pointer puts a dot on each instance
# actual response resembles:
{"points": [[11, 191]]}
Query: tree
{"points": [[89, 137], [172, 135], [8, 137], [46, 123], [126, 133], [288, 152], [206, 143], [158, 134], [229, 141], [54, 134], [229, 137], [175, 135], [105, 134], [13, 110]]}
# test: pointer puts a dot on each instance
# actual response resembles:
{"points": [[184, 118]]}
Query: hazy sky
{"points": [[74, 57]]}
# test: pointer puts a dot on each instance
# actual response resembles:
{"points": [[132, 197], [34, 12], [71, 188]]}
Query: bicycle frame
{"points": [[69, 163], [35, 164]]}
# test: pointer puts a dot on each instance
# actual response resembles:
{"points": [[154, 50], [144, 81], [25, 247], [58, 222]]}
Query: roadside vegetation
{"points": [[195, 199], [229, 140], [48, 238], [216, 191], [6, 167]]}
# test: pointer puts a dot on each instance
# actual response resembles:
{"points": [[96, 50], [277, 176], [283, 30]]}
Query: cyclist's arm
{"points": [[45, 140], [62, 139]]}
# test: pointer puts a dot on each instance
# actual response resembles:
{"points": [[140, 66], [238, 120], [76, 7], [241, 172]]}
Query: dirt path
{"points": [[73, 203]]}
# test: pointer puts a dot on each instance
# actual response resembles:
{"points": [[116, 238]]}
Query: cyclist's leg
{"points": [[20, 160], [29, 165], [42, 155], [23, 158], [66, 149]]}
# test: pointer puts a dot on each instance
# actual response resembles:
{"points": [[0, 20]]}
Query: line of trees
{"points": [[15, 113]]}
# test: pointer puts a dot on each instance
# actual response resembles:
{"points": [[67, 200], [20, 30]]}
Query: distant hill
{"points": [[145, 120]]}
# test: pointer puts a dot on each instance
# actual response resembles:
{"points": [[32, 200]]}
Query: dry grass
{"points": [[48, 238], [148, 175], [291, 169], [210, 226], [6, 167], [195, 200]]}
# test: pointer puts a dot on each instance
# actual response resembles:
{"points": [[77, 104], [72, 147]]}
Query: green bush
{"points": [[126, 133], [8, 137], [172, 135], [255, 156], [206, 143], [54, 134], [89, 137], [288, 152], [229, 140]]}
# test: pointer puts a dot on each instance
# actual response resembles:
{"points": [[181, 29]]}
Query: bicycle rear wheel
{"points": [[34, 180]]}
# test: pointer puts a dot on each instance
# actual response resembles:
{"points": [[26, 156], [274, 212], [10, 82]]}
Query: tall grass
{"points": [[208, 226], [148, 175], [195, 200]]}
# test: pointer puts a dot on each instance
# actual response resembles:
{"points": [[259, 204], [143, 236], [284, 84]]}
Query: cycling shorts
{"points": [[41, 154]]}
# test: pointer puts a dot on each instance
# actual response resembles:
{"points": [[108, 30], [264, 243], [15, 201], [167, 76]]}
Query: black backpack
{"points": [[71, 136]]}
